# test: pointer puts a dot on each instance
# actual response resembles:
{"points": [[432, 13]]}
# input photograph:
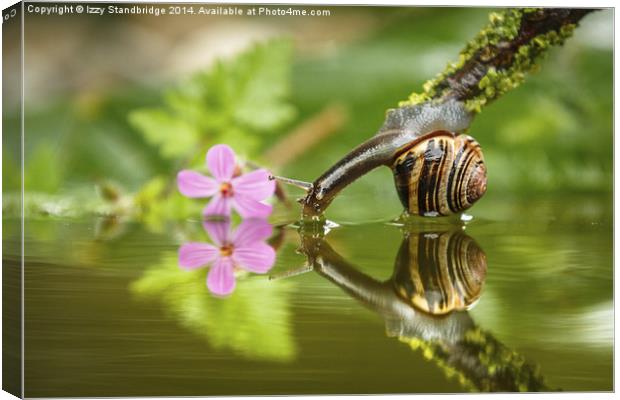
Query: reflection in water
{"points": [[435, 273], [440, 273], [254, 322], [230, 253]]}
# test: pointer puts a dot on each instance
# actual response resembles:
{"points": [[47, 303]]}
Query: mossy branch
{"points": [[498, 58]]}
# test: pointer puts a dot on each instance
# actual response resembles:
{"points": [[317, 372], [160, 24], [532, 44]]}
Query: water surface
{"points": [[109, 312]]}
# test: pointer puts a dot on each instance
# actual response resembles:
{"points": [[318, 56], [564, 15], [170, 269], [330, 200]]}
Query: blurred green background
{"points": [[116, 105]]}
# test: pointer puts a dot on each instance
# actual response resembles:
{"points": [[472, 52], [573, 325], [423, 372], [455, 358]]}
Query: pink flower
{"points": [[243, 249], [244, 193]]}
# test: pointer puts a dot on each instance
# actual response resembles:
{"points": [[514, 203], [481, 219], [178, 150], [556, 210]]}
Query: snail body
{"points": [[437, 171]]}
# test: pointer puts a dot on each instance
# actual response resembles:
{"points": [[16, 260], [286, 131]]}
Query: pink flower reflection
{"points": [[243, 249], [244, 193]]}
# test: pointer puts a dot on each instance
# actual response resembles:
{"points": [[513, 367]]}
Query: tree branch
{"points": [[498, 58]]}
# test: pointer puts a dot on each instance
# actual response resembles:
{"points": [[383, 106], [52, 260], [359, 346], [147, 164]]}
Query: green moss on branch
{"points": [[500, 55]]}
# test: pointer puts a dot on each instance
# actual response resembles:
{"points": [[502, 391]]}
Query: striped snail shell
{"points": [[441, 173], [440, 272]]}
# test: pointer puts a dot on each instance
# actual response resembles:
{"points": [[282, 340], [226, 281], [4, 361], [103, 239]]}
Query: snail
{"points": [[439, 272], [437, 169]]}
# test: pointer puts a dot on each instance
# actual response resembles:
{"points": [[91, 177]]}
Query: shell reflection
{"points": [[440, 272]]}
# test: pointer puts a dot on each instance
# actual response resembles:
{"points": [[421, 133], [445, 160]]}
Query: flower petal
{"points": [[221, 278], [258, 257], [251, 231], [218, 206], [250, 208], [193, 184], [221, 162], [219, 231], [194, 255], [255, 185]]}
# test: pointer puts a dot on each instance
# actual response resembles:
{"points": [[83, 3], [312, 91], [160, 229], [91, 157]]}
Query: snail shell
{"points": [[440, 272], [441, 173]]}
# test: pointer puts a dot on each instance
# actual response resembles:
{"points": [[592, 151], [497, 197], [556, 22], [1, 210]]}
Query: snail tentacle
{"points": [[307, 186]]}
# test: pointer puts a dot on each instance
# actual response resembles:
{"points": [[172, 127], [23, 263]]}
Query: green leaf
{"points": [[248, 91], [175, 137], [263, 87], [234, 102]]}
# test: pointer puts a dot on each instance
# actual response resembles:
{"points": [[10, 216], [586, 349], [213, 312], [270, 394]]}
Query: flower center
{"points": [[226, 250], [226, 189]]}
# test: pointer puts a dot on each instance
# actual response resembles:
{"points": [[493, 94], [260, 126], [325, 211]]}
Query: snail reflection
{"points": [[437, 277]]}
